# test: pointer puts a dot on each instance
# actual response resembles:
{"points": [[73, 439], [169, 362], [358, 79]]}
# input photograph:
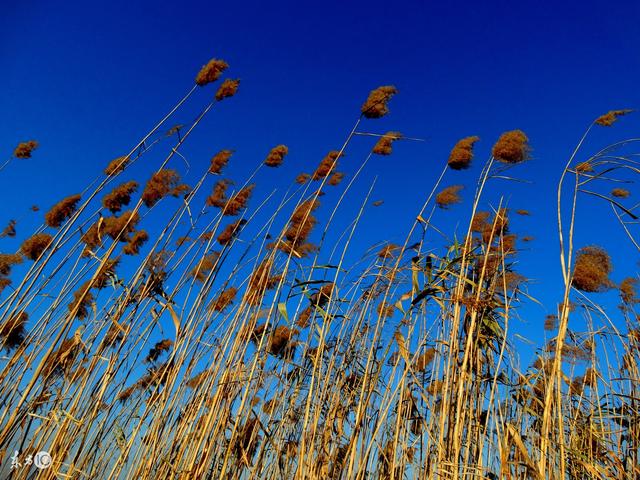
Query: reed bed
{"points": [[192, 350]]}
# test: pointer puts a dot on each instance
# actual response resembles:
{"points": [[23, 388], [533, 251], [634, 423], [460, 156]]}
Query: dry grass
{"points": [[145, 353]]}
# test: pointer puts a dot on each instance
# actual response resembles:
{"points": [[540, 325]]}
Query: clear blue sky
{"points": [[87, 79]]}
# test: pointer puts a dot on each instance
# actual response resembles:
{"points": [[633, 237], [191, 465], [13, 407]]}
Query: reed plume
{"points": [[116, 166], [25, 149], [224, 299], [611, 117], [227, 89], [33, 246], [449, 196], [62, 211], [384, 144], [276, 156], [218, 197], [13, 331], [210, 72], [119, 196], [238, 202], [462, 153], [230, 232], [512, 147], [335, 179], [161, 184], [592, 269], [219, 161], [376, 104], [327, 165], [135, 243], [9, 230], [620, 193], [303, 178]]}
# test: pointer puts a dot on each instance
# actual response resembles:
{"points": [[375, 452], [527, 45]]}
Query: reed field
{"points": [[168, 321]]}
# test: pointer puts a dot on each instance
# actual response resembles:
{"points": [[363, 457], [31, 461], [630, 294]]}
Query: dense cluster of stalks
{"points": [[214, 345]]}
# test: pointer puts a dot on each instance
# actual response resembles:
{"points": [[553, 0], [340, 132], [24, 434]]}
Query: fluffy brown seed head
{"points": [[196, 381], [260, 281], [175, 129], [119, 196], [423, 361], [498, 226], [162, 183], [322, 296], [205, 266], [92, 238], [327, 165], [219, 161], [281, 343], [135, 243], [376, 104], [628, 290], [304, 317], [218, 197], [9, 230], [120, 227], [449, 196], [116, 166], [158, 349], [385, 143], [385, 310], [25, 149], [462, 153], [590, 377], [388, 251], [479, 221], [211, 72], [8, 260], [227, 89], [276, 156], [524, 213], [33, 246], [300, 226], [13, 331], [106, 272], [584, 167], [303, 178], [610, 117], [62, 211], [4, 283], [230, 232], [592, 269], [512, 147], [550, 323], [239, 201], [82, 300], [224, 299], [182, 240], [335, 178], [620, 193]]}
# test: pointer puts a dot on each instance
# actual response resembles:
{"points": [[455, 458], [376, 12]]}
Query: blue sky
{"points": [[87, 79]]}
